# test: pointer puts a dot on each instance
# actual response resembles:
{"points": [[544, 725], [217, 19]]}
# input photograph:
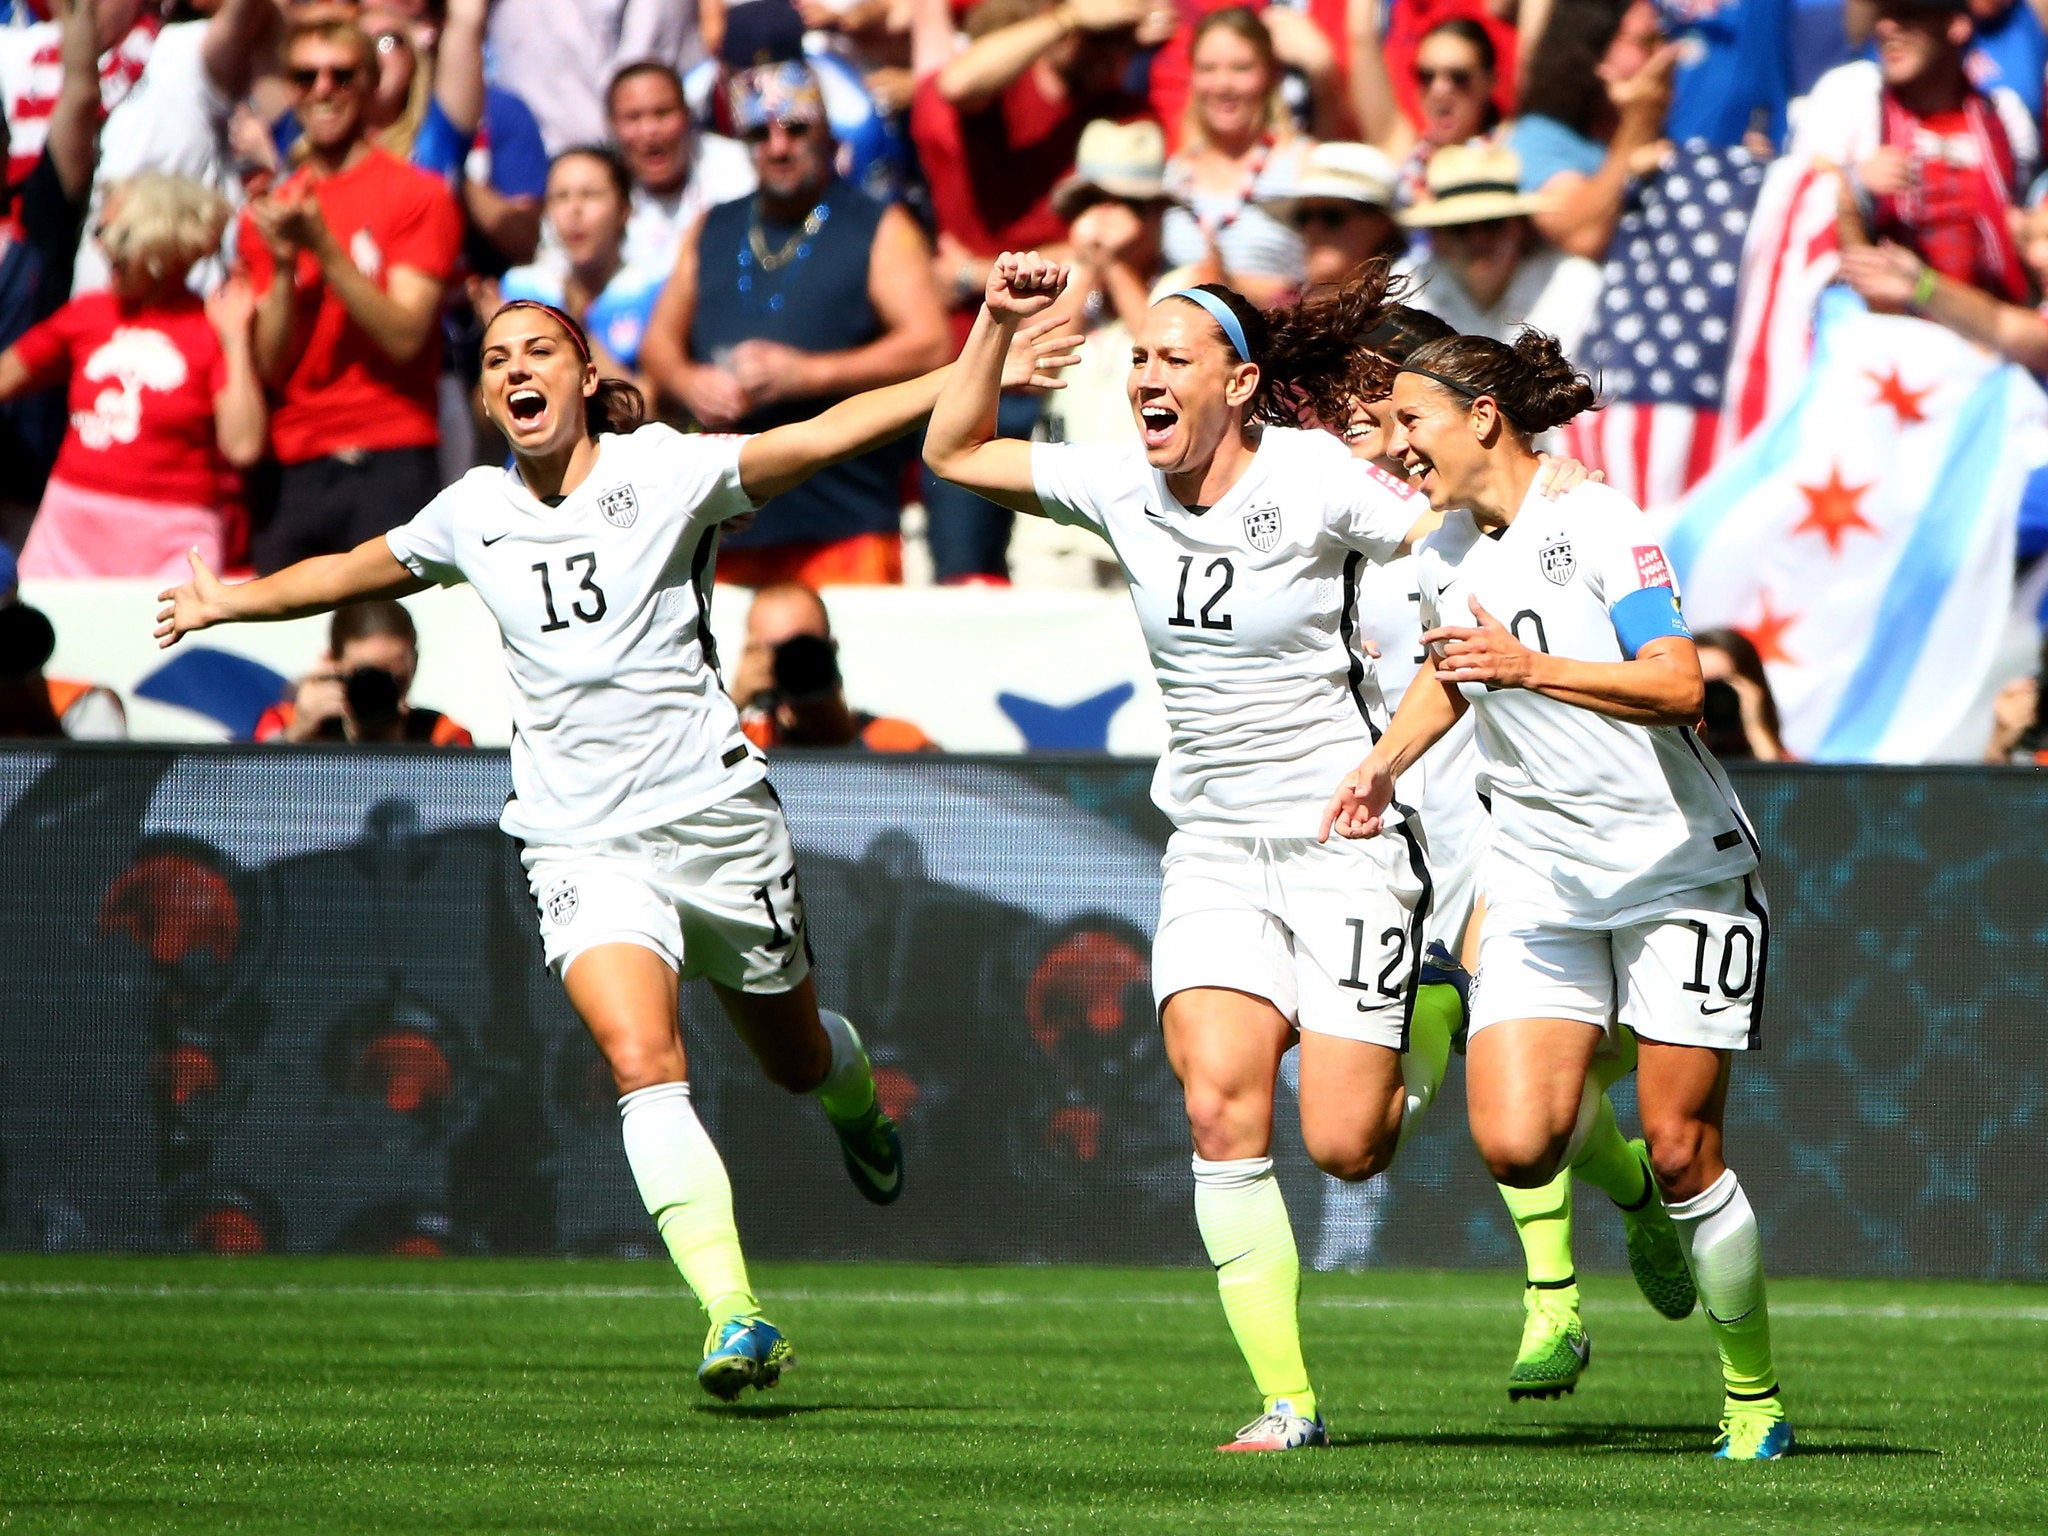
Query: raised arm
{"points": [[459, 65], [989, 65], [235, 35], [1583, 211], [961, 444], [1893, 279], [311, 586], [74, 132]]}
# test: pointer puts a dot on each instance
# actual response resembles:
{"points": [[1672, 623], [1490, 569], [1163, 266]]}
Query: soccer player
{"points": [[1555, 1347], [1242, 538], [1622, 873], [654, 847]]}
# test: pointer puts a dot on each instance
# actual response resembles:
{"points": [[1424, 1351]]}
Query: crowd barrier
{"points": [[293, 1001]]}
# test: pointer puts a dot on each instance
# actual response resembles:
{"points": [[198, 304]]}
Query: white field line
{"points": [[58, 1289]]}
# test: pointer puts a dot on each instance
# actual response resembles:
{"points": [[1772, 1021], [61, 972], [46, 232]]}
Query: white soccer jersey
{"points": [[1248, 610], [620, 721], [1592, 817]]}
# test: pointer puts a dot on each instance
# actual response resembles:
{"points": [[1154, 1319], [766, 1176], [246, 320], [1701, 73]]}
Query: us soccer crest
{"points": [[561, 903], [1262, 527], [1558, 561], [619, 507]]}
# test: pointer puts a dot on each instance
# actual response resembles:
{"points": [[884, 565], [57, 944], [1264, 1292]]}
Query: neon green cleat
{"points": [[1755, 1430], [1655, 1256], [1555, 1346]]}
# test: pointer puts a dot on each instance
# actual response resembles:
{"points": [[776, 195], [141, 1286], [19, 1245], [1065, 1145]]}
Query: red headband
{"points": [[558, 316]]}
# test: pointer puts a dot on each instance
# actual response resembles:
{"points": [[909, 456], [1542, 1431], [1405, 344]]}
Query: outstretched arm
{"points": [[961, 445], [1429, 708], [311, 586], [782, 458]]}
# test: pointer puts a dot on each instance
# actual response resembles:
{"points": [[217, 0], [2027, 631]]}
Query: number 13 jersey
{"points": [[1593, 818], [1249, 609], [620, 721]]}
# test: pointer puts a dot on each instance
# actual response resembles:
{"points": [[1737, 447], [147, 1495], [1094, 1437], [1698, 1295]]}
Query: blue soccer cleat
{"points": [[743, 1352], [1754, 1431], [873, 1154], [1439, 969]]}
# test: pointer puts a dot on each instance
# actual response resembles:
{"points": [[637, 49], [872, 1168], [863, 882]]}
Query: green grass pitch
{"points": [[393, 1396]]}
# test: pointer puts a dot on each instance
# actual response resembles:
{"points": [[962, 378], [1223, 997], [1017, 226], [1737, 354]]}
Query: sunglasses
{"points": [[792, 129], [1457, 79], [1329, 217], [342, 75]]}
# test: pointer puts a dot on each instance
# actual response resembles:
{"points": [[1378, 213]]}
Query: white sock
{"points": [[848, 1089], [1722, 1247], [683, 1183]]}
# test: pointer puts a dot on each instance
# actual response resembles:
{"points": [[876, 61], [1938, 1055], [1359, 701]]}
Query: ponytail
{"points": [[1533, 382]]}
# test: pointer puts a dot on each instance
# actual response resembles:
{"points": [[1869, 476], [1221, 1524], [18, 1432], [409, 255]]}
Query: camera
{"points": [[374, 696], [1722, 727], [805, 669]]}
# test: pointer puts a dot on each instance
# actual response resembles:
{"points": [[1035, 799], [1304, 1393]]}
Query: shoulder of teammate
{"points": [[1627, 569], [1080, 483], [700, 471], [1366, 508], [428, 543]]}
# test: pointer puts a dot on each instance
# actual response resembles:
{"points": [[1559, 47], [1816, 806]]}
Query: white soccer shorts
{"points": [[1329, 933], [1454, 891], [715, 895], [1689, 971]]}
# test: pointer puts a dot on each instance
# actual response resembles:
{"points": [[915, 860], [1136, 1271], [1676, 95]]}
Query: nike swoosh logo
{"points": [[1234, 1258], [883, 1181], [1710, 1008], [489, 542]]}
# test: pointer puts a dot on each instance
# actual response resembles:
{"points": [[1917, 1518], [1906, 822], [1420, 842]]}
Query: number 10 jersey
{"points": [[1249, 609], [620, 720]]}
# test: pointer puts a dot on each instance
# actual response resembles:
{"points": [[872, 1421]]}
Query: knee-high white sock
{"points": [[1244, 1226], [1719, 1231], [848, 1091], [684, 1186]]}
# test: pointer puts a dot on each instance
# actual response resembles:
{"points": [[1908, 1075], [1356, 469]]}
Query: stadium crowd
{"points": [[249, 243]]}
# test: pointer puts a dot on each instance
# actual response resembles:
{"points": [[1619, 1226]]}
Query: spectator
{"points": [[788, 683], [1741, 714], [32, 70], [1454, 92], [2009, 46], [1488, 270], [1341, 204], [349, 257], [676, 174], [1237, 147], [41, 219], [49, 708], [163, 394], [361, 689], [1933, 163], [805, 293], [175, 120], [2017, 734], [560, 56], [589, 205], [1592, 118], [1390, 34]]}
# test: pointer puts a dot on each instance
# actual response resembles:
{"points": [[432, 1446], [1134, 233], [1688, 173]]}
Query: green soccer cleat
{"points": [[1755, 1430], [873, 1154], [1655, 1256], [743, 1352], [1555, 1346]]}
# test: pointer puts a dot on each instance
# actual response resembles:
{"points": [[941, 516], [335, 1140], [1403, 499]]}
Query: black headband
{"points": [[1462, 389]]}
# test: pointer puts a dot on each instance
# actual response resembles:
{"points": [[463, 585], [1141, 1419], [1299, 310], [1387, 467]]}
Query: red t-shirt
{"points": [[992, 172], [142, 382], [344, 391]]}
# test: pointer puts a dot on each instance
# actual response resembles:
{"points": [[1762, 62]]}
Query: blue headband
{"points": [[1220, 313]]}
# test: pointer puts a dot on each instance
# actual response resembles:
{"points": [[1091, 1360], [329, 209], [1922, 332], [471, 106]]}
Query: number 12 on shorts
{"points": [[1393, 943]]}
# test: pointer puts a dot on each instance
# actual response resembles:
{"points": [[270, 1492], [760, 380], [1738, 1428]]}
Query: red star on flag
{"points": [[1833, 509], [1767, 632], [1904, 403]]}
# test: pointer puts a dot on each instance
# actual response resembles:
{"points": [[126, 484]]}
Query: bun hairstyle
{"points": [[1532, 381], [617, 406], [1313, 356]]}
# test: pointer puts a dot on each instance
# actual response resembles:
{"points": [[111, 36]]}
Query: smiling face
{"points": [[1454, 86], [1436, 438], [1916, 42], [1229, 87], [1188, 388], [585, 210], [332, 78], [534, 382], [1370, 433]]}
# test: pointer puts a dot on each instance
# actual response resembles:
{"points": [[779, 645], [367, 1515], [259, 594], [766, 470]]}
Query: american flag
{"points": [[1659, 345]]}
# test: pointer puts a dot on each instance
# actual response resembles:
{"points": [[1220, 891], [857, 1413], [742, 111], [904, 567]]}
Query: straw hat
{"points": [[1121, 160], [1338, 173], [1470, 184]]}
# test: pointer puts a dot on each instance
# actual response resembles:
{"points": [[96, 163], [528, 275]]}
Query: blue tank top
{"points": [[816, 300]]}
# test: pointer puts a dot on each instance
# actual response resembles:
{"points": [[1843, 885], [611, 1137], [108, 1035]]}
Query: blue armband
{"points": [[1646, 614]]}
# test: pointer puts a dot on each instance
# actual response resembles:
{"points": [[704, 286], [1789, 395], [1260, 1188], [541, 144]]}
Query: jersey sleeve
{"points": [[45, 349], [1074, 481], [426, 545], [701, 470], [1370, 510], [1632, 577]]}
